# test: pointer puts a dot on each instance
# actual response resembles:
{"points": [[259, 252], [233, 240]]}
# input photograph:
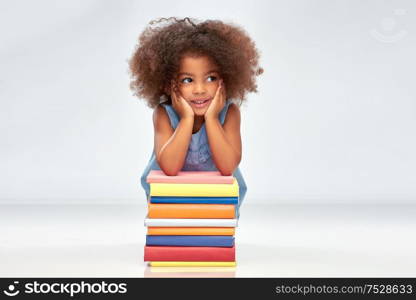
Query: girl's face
{"points": [[197, 81]]}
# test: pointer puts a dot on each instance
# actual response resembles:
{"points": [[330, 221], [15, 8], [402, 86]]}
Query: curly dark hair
{"points": [[155, 61]]}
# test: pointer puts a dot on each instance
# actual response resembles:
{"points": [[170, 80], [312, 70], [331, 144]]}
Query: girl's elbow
{"points": [[168, 170], [171, 173], [228, 170], [226, 173]]}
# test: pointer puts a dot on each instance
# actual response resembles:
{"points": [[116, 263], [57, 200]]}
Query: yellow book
{"points": [[194, 189], [187, 272], [205, 269], [192, 263], [190, 230]]}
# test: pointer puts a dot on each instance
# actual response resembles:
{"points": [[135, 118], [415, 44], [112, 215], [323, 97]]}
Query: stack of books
{"points": [[191, 219]]}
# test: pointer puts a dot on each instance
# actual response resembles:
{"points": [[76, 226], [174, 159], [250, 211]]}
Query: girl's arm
{"points": [[171, 145], [225, 141]]}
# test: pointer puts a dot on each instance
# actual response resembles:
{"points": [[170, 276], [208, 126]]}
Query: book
{"points": [[190, 240], [191, 211], [192, 264], [191, 222], [195, 189], [192, 269], [190, 231], [158, 176], [195, 200], [168, 253]]}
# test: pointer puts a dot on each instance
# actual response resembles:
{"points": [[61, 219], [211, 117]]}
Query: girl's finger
{"points": [[182, 98], [173, 91], [184, 102], [175, 96], [218, 90]]}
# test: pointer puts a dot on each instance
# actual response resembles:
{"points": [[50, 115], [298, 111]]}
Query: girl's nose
{"points": [[199, 88]]}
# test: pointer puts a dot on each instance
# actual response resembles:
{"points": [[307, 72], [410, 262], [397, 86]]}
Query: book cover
{"points": [[190, 231], [190, 211], [191, 222], [217, 264], [195, 200], [158, 176], [195, 190], [190, 240], [169, 253]]}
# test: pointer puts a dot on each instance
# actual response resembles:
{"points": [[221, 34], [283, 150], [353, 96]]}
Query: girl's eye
{"points": [[212, 78], [186, 80]]}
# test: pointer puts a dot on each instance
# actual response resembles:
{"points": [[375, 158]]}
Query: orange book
{"points": [[190, 211], [190, 230]]}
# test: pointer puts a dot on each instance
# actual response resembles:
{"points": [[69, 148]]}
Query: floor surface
{"points": [[271, 241]]}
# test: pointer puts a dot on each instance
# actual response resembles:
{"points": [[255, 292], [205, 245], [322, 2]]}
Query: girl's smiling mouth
{"points": [[200, 103]]}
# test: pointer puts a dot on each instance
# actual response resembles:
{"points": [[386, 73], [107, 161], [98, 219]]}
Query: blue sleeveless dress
{"points": [[199, 156]]}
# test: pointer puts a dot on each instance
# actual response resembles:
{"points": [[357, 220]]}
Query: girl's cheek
{"points": [[185, 92]]}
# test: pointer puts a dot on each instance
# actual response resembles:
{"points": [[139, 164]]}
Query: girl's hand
{"points": [[180, 104], [217, 103]]}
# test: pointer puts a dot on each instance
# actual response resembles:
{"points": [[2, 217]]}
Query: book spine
{"points": [[191, 211], [184, 240], [162, 253]]}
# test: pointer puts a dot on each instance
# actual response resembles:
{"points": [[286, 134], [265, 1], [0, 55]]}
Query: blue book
{"points": [[200, 200], [190, 240]]}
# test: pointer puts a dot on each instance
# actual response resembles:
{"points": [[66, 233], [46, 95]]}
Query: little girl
{"points": [[189, 71]]}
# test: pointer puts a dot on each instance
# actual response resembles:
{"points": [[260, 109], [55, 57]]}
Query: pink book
{"points": [[157, 176]]}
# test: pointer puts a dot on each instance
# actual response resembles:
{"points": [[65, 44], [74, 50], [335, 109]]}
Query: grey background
{"points": [[334, 120]]}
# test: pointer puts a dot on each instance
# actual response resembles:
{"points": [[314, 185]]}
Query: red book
{"points": [[170, 253]]}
